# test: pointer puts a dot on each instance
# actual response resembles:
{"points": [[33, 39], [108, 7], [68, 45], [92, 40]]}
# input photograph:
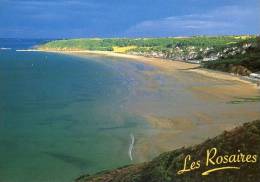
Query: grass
{"points": [[153, 43], [118, 49], [240, 100], [164, 168], [242, 64]]}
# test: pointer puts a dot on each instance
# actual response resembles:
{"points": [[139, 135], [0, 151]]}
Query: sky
{"points": [[127, 18]]}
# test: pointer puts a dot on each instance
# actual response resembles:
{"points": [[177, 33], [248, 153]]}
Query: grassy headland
{"points": [[244, 140], [144, 44]]}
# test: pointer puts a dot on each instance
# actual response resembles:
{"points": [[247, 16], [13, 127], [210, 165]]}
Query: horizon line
{"points": [[133, 37]]}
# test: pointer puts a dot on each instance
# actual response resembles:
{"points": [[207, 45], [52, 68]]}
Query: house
{"points": [[255, 75]]}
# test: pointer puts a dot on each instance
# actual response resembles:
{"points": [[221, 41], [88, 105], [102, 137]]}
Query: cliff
{"points": [[242, 59]]}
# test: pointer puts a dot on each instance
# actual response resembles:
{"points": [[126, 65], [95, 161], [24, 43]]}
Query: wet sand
{"points": [[163, 64], [182, 103]]}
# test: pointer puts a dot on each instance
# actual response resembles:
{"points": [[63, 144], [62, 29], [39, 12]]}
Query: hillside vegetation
{"points": [[236, 54], [140, 44], [243, 63], [241, 140]]}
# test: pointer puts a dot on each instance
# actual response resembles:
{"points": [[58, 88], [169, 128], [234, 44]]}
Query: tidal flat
{"points": [[183, 104]]}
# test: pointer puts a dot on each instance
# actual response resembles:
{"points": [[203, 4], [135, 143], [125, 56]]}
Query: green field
{"points": [[107, 44]]}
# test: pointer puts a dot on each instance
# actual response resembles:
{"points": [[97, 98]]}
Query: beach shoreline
{"points": [[163, 64]]}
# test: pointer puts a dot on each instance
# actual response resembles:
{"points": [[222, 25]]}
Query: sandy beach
{"points": [[182, 103], [164, 64], [167, 65]]}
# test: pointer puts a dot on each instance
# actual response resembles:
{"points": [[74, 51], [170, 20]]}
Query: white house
{"points": [[255, 75]]}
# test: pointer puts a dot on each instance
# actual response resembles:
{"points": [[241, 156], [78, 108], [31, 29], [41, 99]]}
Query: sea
{"points": [[61, 116]]}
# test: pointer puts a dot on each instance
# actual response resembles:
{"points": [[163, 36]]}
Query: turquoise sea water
{"points": [[61, 116]]}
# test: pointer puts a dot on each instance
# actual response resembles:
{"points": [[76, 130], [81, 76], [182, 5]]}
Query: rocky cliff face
{"points": [[243, 59], [234, 157], [196, 54]]}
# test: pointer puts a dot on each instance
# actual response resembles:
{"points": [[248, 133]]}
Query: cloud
{"points": [[224, 20], [46, 10], [112, 18]]}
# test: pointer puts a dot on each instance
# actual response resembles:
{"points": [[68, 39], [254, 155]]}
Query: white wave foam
{"points": [[5, 48], [27, 50], [131, 146]]}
